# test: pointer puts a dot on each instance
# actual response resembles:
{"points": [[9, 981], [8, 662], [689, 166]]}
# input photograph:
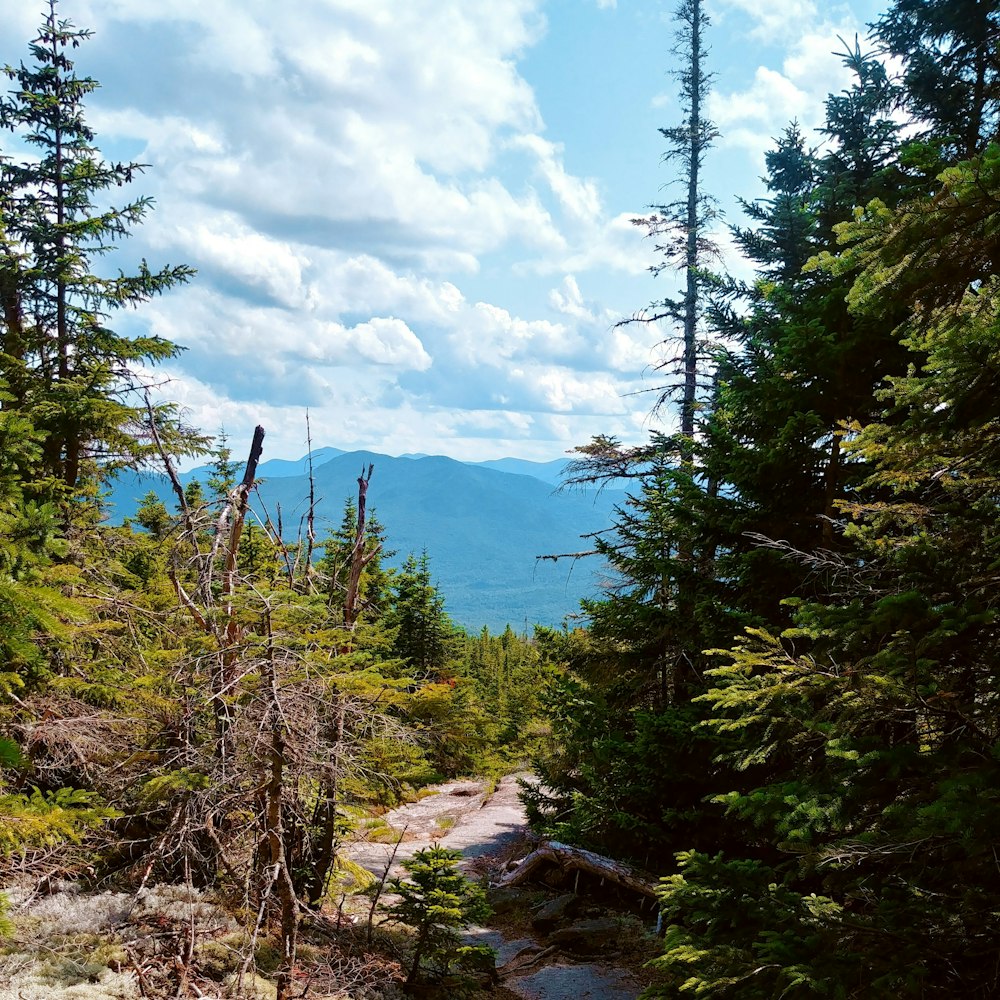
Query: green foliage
{"points": [[375, 587], [438, 901], [790, 684], [951, 75], [224, 472], [836, 547], [425, 636], [39, 819], [734, 930], [65, 370]]}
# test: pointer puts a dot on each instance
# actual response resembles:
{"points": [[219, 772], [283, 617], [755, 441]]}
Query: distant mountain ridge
{"points": [[483, 524]]}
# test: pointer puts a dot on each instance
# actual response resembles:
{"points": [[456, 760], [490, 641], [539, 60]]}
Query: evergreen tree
{"points": [[438, 901], [424, 632], [375, 587], [224, 470], [869, 723], [951, 75], [65, 369], [699, 549], [883, 879], [681, 228]]}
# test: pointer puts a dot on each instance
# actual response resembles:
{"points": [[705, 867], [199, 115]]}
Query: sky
{"points": [[412, 218]]}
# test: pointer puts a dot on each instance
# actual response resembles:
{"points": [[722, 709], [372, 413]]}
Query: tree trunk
{"points": [[235, 515], [274, 831], [551, 852], [693, 232], [358, 557]]}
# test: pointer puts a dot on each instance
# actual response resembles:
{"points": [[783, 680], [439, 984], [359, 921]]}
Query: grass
{"points": [[445, 823]]}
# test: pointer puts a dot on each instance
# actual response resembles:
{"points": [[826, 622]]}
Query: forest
{"points": [[785, 704]]}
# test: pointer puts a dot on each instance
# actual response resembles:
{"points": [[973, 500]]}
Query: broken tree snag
{"points": [[239, 500], [256, 448], [551, 852], [359, 558], [237, 504]]}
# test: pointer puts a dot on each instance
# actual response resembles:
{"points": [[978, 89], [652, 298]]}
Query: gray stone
{"points": [[587, 936], [504, 899], [575, 982], [555, 911]]}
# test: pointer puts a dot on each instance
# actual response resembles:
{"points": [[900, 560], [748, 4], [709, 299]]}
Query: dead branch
{"points": [[551, 852], [169, 466], [359, 559], [311, 515], [569, 555]]}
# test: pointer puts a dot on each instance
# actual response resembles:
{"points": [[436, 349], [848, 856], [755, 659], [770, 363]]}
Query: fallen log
{"points": [[551, 852]]}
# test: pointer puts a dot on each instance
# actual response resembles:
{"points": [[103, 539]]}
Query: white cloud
{"points": [[775, 19], [578, 198], [386, 230], [490, 335], [387, 341], [567, 391], [811, 69]]}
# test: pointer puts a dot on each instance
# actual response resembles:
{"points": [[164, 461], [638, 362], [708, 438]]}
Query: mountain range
{"points": [[483, 524]]}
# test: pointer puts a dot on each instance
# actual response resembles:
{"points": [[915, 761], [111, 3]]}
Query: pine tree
{"points": [[869, 722], [66, 370], [424, 632], [951, 75], [700, 550], [681, 228], [438, 901]]}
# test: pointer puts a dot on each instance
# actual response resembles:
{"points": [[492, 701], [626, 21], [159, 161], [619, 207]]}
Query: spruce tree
{"points": [[869, 721], [681, 227], [951, 74], [65, 369], [424, 632]]}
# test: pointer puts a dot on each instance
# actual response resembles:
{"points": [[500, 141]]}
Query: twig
{"points": [[377, 894]]}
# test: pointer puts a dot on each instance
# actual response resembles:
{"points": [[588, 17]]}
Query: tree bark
{"points": [[281, 879], [551, 852], [693, 232], [358, 557]]}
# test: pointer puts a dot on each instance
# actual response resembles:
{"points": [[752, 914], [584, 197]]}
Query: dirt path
{"points": [[462, 816]]}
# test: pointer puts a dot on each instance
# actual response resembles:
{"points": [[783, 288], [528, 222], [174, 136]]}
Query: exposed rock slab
{"points": [[576, 982], [587, 937], [555, 911]]}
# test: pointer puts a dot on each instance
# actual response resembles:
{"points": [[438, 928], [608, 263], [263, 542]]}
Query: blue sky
{"points": [[411, 217]]}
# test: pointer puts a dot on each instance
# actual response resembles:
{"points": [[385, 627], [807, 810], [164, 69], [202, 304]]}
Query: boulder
{"points": [[587, 936], [504, 899], [555, 912]]}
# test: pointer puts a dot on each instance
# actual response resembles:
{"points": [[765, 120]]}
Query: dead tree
{"points": [[566, 858], [359, 558]]}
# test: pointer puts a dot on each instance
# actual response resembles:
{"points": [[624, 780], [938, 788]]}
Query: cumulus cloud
{"points": [[811, 68], [578, 198], [386, 228], [775, 19]]}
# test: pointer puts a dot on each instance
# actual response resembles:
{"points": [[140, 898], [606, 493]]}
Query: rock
{"points": [[555, 911], [587, 936], [503, 900]]}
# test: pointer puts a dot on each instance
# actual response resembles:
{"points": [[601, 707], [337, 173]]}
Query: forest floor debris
{"points": [[172, 941]]}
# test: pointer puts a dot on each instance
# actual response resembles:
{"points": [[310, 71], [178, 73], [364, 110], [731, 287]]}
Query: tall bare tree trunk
{"points": [[693, 224], [280, 878], [359, 559], [233, 517]]}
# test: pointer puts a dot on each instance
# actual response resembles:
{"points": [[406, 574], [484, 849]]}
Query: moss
{"points": [[267, 957], [218, 959], [253, 986], [6, 927]]}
